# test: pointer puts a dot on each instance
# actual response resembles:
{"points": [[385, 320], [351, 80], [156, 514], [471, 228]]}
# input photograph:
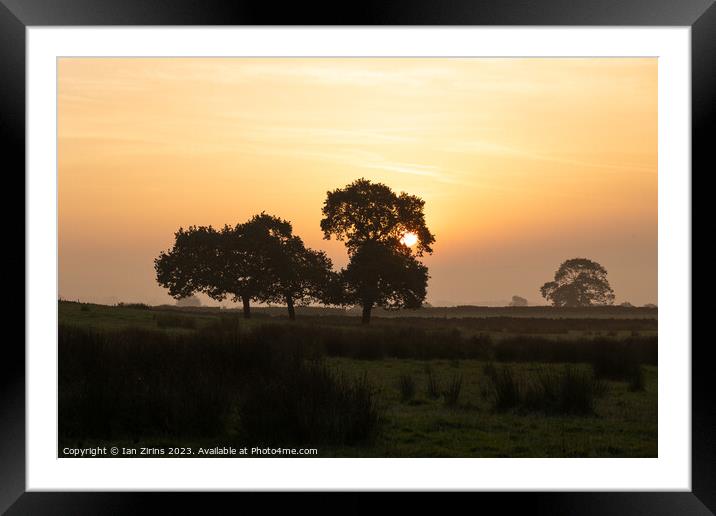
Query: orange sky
{"points": [[523, 163]]}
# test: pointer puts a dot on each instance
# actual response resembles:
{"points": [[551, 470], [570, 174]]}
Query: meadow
{"points": [[435, 382]]}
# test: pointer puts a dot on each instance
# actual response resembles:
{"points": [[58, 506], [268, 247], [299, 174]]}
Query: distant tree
{"points": [[650, 305], [189, 301], [518, 301], [626, 304], [372, 220], [579, 282]]}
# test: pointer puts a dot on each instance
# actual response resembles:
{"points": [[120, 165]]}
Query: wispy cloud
{"points": [[484, 147], [329, 72], [406, 168], [330, 136]]}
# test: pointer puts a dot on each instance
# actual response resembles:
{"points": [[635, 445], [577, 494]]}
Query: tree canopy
{"points": [[298, 275], [258, 260], [371, 212], [262, 260], [372, 220], [579, 282]]}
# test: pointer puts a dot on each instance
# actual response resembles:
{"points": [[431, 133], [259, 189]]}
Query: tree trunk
{"points": [[366, 313], [291, 310], [247, 307]]}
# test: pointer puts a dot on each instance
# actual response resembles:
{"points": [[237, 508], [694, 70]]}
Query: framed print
{"points": [[418, 250]]}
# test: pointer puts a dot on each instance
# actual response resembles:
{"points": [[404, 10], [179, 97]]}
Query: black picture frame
{"points": [[17, 15]]}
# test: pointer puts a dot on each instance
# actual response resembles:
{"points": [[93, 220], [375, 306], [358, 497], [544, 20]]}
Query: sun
{"points": [[409, 239]]}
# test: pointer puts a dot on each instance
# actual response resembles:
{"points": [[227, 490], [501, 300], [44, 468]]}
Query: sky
{"points": [[522, 163]]}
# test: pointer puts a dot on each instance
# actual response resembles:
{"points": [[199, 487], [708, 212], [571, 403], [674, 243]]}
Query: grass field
{"points": [[623, 425], [492, 386]]}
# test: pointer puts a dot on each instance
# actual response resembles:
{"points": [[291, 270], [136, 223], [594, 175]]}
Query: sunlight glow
{"points": [[409, 239]]}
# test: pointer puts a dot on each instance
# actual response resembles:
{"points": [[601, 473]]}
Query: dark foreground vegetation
{"points": [[140, 383], [140, 376]]}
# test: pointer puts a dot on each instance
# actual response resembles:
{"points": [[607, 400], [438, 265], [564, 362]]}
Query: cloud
{"points": [[484, 147]]}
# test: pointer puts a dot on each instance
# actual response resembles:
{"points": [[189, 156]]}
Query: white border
{"points": [[672, 470]]}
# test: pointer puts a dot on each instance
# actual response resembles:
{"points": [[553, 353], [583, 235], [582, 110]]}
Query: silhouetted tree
{"points": [[371, 219], [579, 282], [227, 263], [258, 260], [371, 212], [188, 266], [380, 275], [298, 275], [518, 301]]}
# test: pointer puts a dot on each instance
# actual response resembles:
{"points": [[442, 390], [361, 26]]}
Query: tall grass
{"points": [[307, 404], [452, 392], [136, 384], [637, 380], [165, 320], [571, 391], [406, 384], [432, 388], [565, 391], [506, 387]]}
